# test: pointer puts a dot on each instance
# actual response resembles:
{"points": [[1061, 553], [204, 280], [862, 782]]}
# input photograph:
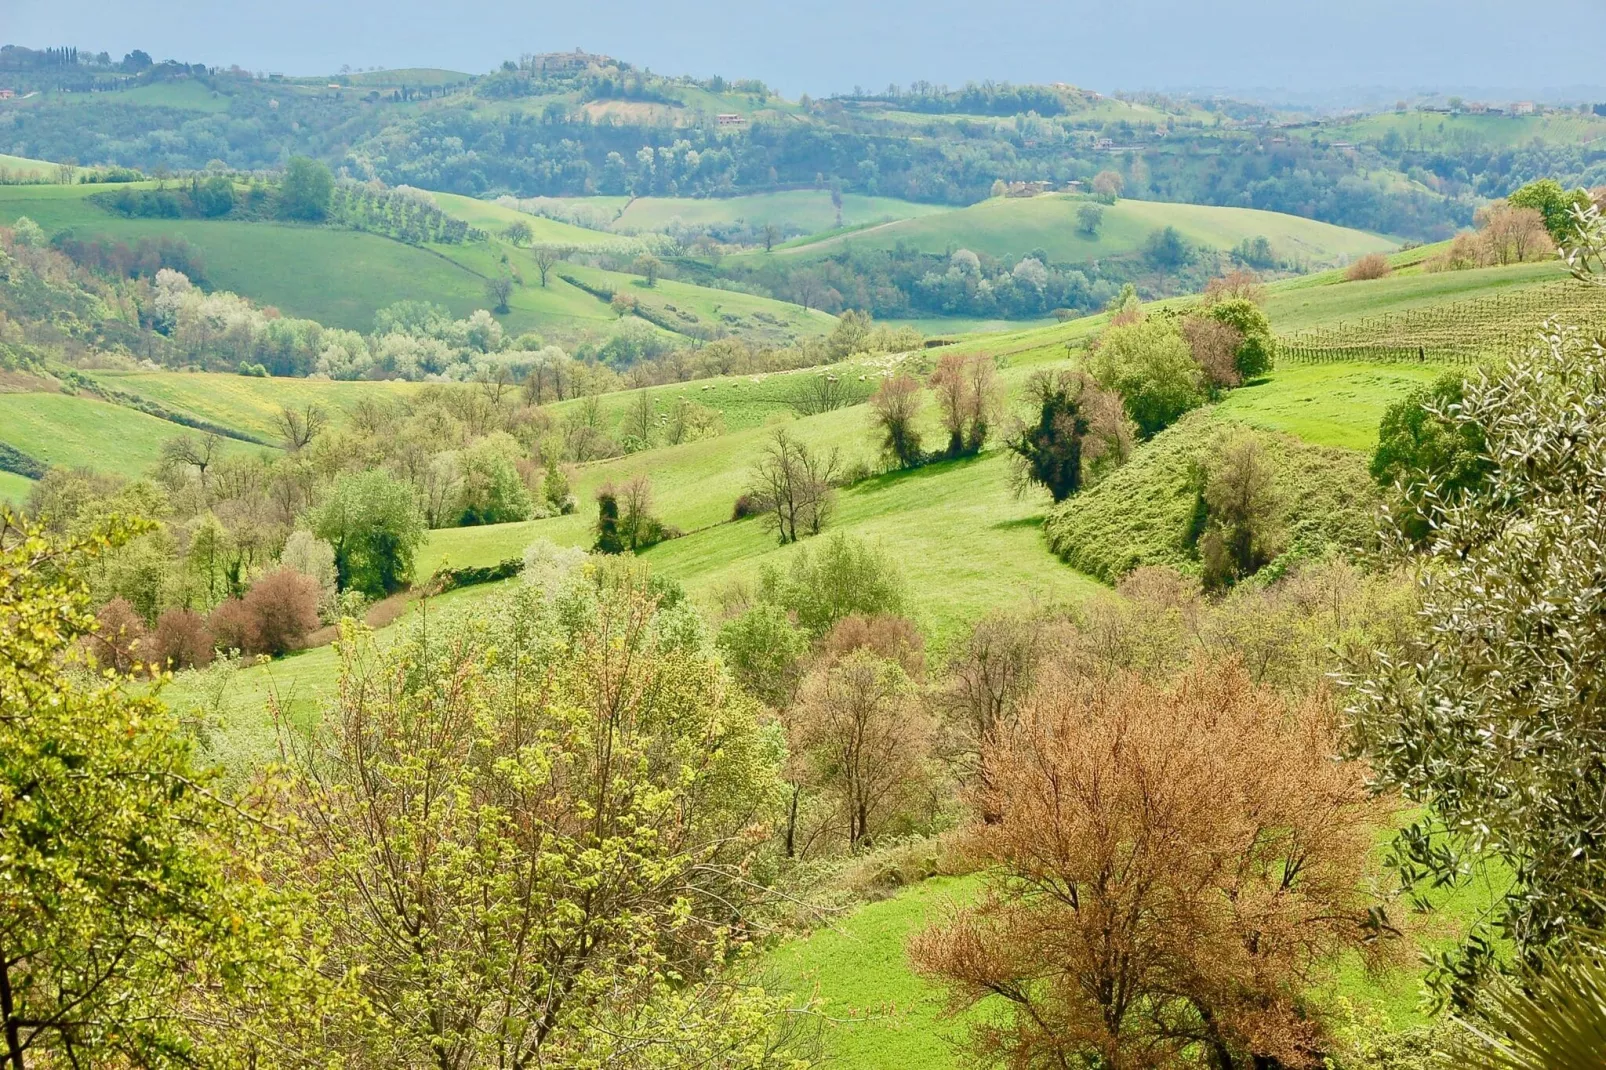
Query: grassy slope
{"points": [[1013, 226], [1469, 131], [338, 277], [1326, 404], [246, 403], [183, 95], [342, 277], [884, 1015], [14, 488], [78, 431]]}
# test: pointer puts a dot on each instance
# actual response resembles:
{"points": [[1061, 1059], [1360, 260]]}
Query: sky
{"points": [[825, 46]]}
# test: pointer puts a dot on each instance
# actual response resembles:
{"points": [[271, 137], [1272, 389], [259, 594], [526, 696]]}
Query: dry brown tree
{"points": [[1214, 346], [967, 395], [1172, 867], [862, 740]]}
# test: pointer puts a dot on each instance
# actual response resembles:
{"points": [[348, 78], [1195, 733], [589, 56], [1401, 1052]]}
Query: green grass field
{"points": [[880, 1013], [342, 277], [86, 432], [1427, 130], [246, 403], [182, 95], [1337, 404], [1014, 226], [14, 488]]}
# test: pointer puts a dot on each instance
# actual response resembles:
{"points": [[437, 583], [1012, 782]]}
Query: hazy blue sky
{"points": [[821, 46]]}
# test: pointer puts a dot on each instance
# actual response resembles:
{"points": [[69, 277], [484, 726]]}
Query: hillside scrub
{"points": [[1142, 513]]}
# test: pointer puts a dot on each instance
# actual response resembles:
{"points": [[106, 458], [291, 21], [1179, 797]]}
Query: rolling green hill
{"points": [[81, 432], [342, 277], [1013, 226], [1431, 130], [808, 210]]}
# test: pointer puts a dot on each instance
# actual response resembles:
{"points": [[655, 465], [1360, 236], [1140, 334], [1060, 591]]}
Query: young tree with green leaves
{"points": [[535, 835], [1427, 455]]}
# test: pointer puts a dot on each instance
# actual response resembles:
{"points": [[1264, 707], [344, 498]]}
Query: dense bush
{"points": [[180, 640], [1143, 513], [282, 607]]}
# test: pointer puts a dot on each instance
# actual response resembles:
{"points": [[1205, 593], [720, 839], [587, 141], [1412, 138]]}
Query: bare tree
{"points": [[863, 737], [299, 428], [187, 451], [792, 485], [547, 256]]}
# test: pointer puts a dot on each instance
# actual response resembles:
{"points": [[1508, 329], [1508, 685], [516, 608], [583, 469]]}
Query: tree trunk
{"points": [[9, 1014]]}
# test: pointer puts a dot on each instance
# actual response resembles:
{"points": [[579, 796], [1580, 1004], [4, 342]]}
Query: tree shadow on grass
{"points": [[1035, 521], [897, 476]]}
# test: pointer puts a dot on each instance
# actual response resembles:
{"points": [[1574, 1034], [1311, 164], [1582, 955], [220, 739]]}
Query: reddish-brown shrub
{"points": [[1370, 266], [232, 627], [746, 505], [283, 606], [122, 631], [888, 637], [180, 640], [1214, 346]]}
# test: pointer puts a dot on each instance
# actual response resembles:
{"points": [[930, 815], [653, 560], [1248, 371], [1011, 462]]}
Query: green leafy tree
{"points": [[568, 800], [214, 196], [375, 526], [1150, 365], [306, 191], [1089, 219], [1427, 454], [842, 578], [1552, 202], [1489, 719], [492, 491], [133, 931], [765, 652], [1257, 348], [518, 233]]}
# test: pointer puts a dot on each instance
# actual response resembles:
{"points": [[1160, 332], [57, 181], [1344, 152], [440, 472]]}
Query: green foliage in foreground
{"points": [[1549, 1018], [1492, 721], [127, 919], [1140, 513]]}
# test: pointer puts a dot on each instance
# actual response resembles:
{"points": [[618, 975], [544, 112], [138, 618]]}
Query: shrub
{"points": [[180, 640], [232, 626], [1148, 363], [1370, 266], [746, 506], [282, 607], [895, 408], [888, 637], [116, 643]]}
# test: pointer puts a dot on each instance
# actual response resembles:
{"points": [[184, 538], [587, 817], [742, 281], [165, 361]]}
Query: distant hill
{"points": [[1013, 226]]}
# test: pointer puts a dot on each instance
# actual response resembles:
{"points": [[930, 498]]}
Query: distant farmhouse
{"points": [[730, 119]]}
